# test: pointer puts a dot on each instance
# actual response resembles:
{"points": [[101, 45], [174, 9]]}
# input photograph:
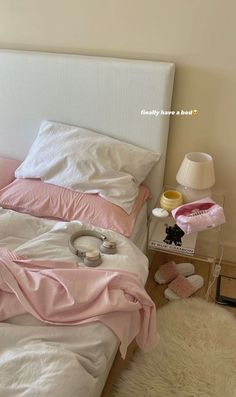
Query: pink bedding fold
{"points": [[60, 293]]}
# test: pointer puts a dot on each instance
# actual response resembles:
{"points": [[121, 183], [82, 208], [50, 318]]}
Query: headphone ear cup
{"points": [[92, 259], [108, 247]]}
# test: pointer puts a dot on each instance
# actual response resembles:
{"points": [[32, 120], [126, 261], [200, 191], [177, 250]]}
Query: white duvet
{"points": [[38, 360]]}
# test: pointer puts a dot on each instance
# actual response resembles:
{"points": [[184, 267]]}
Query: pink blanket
{"points": [[63, 294]]}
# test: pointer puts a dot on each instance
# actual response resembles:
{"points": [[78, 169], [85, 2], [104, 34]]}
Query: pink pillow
{"points": [[41, 199], [7, 171]]}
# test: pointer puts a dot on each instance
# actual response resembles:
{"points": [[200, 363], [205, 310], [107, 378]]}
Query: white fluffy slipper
{"points": [[183, 287], [170, 270]]}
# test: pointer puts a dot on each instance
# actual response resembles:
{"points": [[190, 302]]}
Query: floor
{"points": [[201, 267], [156, 292]]}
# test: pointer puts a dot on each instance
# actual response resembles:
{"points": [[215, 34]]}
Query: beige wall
{"points": [[199, 36]]}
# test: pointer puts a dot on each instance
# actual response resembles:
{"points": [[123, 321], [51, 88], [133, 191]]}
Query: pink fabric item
{"points": [[168, 271], [50, 201], [182, 287], [7, 254], [63, 294], [199, 215], [7, 171]]}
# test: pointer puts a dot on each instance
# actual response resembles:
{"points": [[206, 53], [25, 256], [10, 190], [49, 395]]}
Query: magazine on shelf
{"points": [[166, 235]]}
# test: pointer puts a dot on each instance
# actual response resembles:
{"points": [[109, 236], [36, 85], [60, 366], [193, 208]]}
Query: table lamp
{"points": [[195, 176]]}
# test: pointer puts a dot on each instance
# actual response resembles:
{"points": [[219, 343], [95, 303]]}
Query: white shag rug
{"points": [[196, 356]]}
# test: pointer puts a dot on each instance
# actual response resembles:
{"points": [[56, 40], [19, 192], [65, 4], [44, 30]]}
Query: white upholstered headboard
{"points": [[103, 94]]}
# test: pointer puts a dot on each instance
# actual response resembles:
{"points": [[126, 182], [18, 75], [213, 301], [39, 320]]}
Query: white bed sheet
{"points": [[40, 238], [139, 233]]}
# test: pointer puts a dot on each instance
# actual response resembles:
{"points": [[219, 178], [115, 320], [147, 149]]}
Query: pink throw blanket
{"points": [[61, 293]]}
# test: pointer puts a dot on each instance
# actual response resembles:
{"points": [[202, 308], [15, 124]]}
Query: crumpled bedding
{"points": [[39, 360], [60, 293]]}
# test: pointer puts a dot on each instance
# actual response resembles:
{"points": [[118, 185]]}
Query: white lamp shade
{"points": [[196, 171]]}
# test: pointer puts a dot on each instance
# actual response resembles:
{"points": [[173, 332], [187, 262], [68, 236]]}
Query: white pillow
{"points": [[85, 161]]}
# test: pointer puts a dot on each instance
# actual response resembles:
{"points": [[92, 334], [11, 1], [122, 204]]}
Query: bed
{"points": [[114, 98]]}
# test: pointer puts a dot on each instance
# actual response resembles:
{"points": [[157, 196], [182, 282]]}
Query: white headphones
{"points": [[92, 258]]}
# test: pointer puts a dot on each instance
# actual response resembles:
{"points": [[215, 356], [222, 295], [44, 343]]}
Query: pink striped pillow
{"points": [[41, 199], [7, 170]]}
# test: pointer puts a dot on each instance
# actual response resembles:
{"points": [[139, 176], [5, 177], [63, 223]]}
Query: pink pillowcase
{"points": [[7, 171], [41, 199]]}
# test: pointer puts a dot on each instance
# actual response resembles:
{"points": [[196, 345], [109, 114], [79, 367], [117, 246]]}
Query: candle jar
{"points": [[171, 199]]}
